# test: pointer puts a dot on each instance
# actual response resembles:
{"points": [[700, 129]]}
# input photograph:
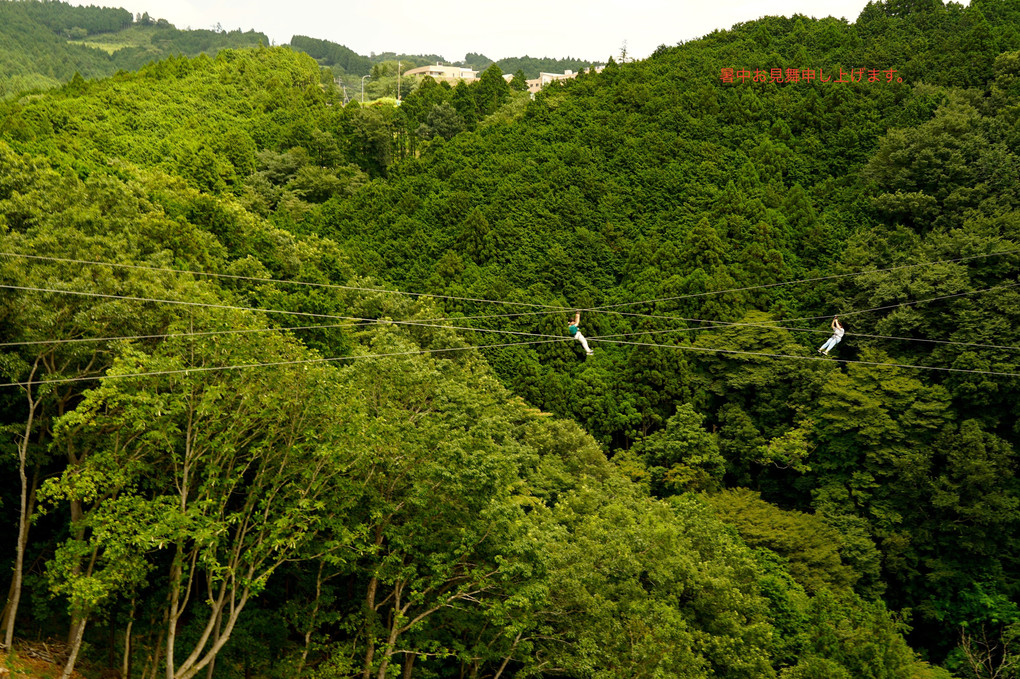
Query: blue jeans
{"points": [[829, 344]]}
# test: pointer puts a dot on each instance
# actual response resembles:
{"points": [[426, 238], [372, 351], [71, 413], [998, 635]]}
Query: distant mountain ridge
{"points": [[43, 44], [346, 61]]}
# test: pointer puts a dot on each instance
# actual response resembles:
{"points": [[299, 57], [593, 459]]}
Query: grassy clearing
{"points": [[136, 36]]}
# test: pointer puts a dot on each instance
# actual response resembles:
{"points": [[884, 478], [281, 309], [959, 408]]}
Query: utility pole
{"points": [[398, 80], [363, 88]]}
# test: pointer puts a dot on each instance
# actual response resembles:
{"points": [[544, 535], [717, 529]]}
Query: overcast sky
{"points": [[583, 29]]}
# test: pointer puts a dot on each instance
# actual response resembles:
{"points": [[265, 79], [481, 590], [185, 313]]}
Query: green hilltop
{"points": [[46, 43], [289, 389]]}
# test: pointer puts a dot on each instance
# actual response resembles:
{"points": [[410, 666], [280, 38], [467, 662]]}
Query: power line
{"points": [[259, 279], [308, 361], [811, 358]]}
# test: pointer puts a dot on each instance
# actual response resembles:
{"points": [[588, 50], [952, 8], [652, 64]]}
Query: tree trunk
{"points": [[77, 531], [237, 600], [391, 641], [311, 622], [173, 614], [373, 584], [409, 665], [7, 607], [125, 671], [19, 559], [216, 637], [76, 636], [506, 660], [151, 671]]}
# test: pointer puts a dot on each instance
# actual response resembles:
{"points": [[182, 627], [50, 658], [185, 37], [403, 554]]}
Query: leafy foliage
{"points": [[396, 491]]}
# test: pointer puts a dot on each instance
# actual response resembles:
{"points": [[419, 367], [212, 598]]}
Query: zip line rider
{"points": [[575, 332], [837, 335]]}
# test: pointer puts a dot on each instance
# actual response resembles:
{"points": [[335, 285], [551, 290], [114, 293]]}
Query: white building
{"points": [[441, 72]]}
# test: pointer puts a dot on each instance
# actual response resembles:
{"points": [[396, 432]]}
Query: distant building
{"points": [[544, 79], [441, 72]]}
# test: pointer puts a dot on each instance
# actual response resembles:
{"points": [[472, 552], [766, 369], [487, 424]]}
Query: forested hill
{"points": [[45, 43], [659, 181], [345, 61], [250, 447]]}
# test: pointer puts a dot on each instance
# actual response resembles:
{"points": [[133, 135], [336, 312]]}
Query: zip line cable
{"points": [[594, 338], [716, 325], [425, 322], [767, 324], [492, 301], [910, 303], [814, 318], [813, 358], [511, 344], [726, 324], [308, 361], [607, 339], [168, 335], [613, 339], [209, 305], [801, 280], [353, 318], [259, 279]]}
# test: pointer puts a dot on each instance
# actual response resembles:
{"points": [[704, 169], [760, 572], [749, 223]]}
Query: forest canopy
{"points": [[289, 391]]}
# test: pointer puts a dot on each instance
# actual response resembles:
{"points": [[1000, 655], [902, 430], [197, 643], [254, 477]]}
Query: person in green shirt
{"points": [[575, 332]]}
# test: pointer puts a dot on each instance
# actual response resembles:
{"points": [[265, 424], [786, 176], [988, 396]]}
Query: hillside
{"points": [[291, 392], [348, 66], [46, 43], [639, 193]]}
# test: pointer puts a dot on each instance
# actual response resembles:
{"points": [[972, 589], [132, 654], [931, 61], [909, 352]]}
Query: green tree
{"points": [[492, 91], [682, 456], [464, 101], [240, 470], [49, 214], [519, 83], [809, 547], [442, 121]]}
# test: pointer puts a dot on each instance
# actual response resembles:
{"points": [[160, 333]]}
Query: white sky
{"points": [[584, 29]]}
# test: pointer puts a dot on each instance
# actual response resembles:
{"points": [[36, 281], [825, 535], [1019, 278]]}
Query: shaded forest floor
{"points": [[25, 663]]}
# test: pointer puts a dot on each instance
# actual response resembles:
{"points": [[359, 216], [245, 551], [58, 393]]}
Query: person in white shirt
{"points": [[837, 335]]}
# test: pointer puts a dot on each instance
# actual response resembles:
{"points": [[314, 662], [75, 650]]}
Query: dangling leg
{"points": [[829, 343], [835, 340], [584, 343]]}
